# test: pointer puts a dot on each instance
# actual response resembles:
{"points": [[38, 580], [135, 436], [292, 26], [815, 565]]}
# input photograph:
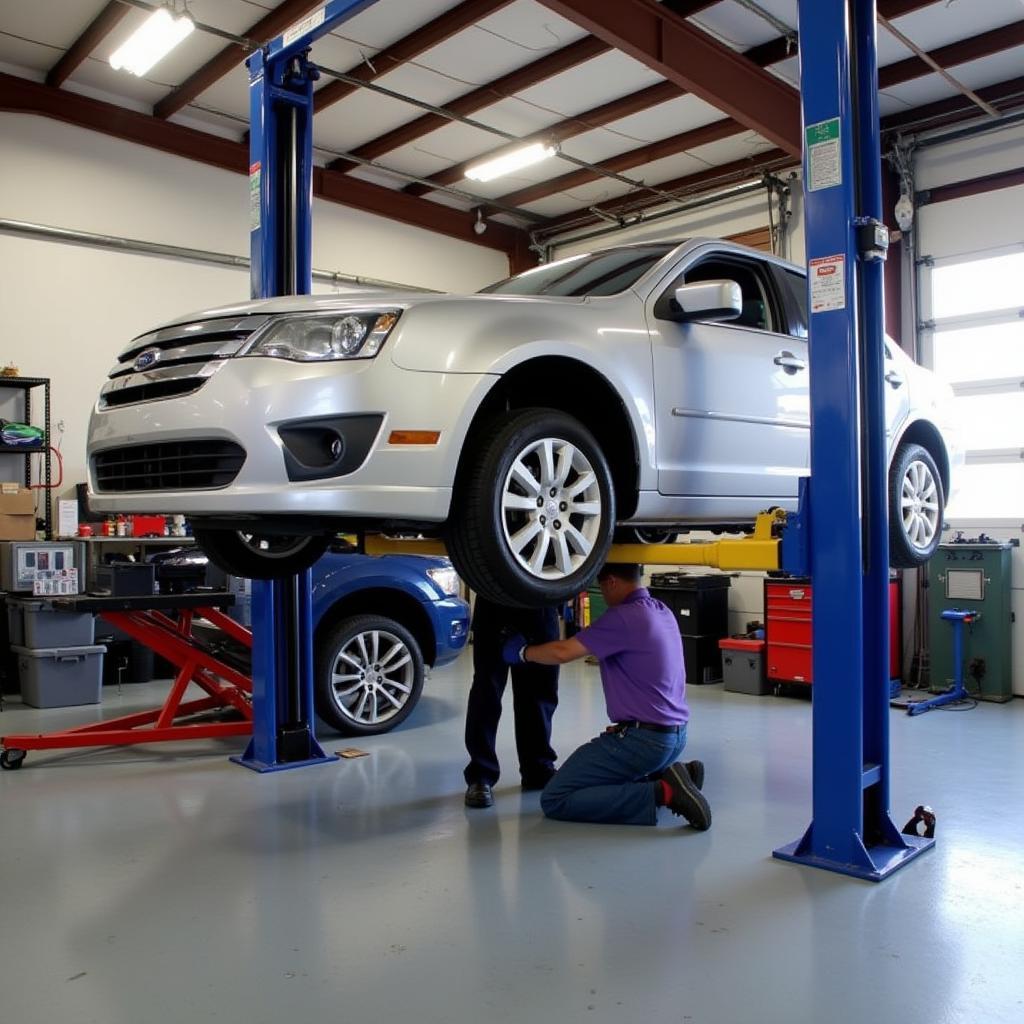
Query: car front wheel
{"points": [[259, 557], [916, 504], [534, 516], [369, 675]]}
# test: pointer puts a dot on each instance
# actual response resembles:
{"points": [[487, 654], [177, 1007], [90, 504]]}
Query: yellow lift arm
{"points": [[759, 550]]}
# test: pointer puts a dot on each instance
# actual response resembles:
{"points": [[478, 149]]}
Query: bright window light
{"points": [[154, 38], [513, 160]]}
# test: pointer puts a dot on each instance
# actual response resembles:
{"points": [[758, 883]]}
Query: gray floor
{"points": [[166, 884]]}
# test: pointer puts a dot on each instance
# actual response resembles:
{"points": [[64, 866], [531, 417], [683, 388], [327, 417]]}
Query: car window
{"points": [[599, 273], [761, 309], [796, 288]]}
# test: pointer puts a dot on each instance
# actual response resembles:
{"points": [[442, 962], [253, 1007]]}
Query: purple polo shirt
{"points": [[641, 655]]}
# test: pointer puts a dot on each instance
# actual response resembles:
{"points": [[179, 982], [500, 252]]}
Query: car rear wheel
{"points": [[916, 503], [369, 675], [257, 556], [534, 516]]}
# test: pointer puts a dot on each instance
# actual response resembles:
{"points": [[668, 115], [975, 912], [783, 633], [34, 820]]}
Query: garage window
{"points": [[977, 346]]}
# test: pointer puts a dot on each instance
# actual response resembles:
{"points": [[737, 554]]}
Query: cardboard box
{"points": [[17, 513]]}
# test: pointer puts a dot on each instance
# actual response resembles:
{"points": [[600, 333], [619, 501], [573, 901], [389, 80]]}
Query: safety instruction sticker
{"points": [[300, 28], [828, 283], [824, 166], [254, 197]]}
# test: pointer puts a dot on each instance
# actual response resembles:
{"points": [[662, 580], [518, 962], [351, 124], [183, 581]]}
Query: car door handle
{"points": [[789, 362], [895, 379]]}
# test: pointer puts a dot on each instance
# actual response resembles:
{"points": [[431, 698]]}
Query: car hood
{"points": [[371, 298]]}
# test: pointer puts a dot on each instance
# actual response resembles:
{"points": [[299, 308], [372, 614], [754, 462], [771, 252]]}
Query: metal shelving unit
{"points": [[27, 385]]}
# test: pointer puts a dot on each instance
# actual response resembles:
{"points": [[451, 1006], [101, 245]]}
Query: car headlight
{"points": [[313, 339], [446, 579]]}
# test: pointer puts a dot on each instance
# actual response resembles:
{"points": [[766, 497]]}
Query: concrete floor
{"points": [[164, 884]]}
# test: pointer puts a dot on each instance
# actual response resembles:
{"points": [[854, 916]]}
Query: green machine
{"points": [[972, 575]]}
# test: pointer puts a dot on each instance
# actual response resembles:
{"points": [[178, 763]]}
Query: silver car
{"points": [[659, 385]]}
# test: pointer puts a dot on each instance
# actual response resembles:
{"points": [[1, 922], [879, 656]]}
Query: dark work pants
{"points": [[534, 693]]}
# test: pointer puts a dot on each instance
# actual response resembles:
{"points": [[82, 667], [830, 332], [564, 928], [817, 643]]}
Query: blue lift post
{"points": [[851, 831], [281, 81]]}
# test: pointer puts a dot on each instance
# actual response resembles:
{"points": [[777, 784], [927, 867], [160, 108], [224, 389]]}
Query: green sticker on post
{"points": [[824, 163]]}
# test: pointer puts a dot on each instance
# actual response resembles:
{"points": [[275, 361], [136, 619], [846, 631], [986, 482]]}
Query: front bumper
{"points": [[248, 399]]}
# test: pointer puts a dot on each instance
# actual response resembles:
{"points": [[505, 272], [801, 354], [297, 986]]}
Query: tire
{"points": [[916, 504], [507, 547], [260, 557], [368, 703]]}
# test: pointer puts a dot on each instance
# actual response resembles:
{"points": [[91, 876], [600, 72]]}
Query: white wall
{"points": [[744, 213], [65, 310]]}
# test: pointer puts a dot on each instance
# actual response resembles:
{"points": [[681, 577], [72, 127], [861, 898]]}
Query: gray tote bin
{"points": [[60, 677], [45, 627]]}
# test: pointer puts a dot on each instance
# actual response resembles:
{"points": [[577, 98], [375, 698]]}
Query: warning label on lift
{"points": [[824, 166], [828, 283], [254, 197]]}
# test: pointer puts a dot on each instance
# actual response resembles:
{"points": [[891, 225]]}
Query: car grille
{"points": [[168, 466], [176, 360]]}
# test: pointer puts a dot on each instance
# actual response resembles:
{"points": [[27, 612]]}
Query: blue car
{"points": [[379, 622]]}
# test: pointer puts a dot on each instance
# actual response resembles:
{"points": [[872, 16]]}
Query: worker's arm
{"points": [[516, 651], [555, 652]]}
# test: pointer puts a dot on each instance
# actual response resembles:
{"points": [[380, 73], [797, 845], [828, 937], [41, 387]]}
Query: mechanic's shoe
{"points": [[479, 795], [533, 783], [686, 800], [696, 770]]}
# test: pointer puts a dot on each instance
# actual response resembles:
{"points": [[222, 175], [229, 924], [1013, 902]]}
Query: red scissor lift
{"points": [[165, 624]]}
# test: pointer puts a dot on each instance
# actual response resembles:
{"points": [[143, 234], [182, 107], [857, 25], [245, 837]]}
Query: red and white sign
{"points": [[828, 283]]}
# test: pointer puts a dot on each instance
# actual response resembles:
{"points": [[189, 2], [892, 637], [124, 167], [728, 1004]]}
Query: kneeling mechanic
{"points": [[624, 775]]}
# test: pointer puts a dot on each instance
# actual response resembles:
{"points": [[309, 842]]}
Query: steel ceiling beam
{"points": [[98, 29], [23, 96], [515, 81], [976, 47], [689, 184], [567, 128], [443, 27], [267, 28], [714, 132], [1008, 95], [695, 61]]}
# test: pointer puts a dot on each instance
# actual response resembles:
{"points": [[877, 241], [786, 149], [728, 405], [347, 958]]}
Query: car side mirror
{"points": [[708, 300]]}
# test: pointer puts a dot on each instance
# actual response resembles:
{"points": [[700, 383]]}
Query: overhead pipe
{"points": [[139, 247]]}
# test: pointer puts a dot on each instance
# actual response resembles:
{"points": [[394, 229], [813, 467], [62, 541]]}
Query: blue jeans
{"points": [[609, 779]]}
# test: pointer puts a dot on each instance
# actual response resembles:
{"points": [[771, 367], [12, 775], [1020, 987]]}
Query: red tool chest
{"points": [[788, 605]]}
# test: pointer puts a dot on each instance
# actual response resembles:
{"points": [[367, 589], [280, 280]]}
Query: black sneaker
{"points": [[687, 800], [696, 770], [479, 795]]}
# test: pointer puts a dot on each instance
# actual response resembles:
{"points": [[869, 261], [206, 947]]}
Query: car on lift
{"points": [[659, 385], [379, 624]]}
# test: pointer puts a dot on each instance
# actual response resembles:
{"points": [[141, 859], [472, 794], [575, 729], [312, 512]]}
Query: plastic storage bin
{"points": [[743, 666], [60, 677], [37, 624]]}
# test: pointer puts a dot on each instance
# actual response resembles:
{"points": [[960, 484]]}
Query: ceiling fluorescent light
{"points": [[154, 38], [513, 160]]}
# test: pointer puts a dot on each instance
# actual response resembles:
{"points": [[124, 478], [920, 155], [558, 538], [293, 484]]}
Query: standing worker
{"points": [[534, 699], [624, 775]]}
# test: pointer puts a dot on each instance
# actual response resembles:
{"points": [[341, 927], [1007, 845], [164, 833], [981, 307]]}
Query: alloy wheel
{"points": [[372, 677], [919, 504], [551, 508]]}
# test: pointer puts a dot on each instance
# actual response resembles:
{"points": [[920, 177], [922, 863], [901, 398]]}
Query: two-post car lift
{"points": [[840, 535]]}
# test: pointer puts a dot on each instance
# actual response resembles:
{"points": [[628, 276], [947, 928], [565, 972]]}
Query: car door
{"points": [[731, 398], [793, 286]]}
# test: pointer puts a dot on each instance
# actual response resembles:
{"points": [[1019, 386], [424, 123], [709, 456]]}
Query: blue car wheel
{"points": [[369, 675]]}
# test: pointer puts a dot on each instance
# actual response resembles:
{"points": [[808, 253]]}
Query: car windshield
{"points": [[593, 273]]}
